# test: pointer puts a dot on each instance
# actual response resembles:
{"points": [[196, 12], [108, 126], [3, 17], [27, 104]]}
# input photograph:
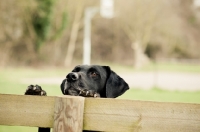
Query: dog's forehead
{"points": [[87, 67]]}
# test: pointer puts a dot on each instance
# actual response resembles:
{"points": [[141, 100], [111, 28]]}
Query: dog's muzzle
{"points": [[72, 76], [70, 79]]}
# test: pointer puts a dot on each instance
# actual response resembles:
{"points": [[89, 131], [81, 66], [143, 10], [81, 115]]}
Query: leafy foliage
{"points": [[42, 20]]}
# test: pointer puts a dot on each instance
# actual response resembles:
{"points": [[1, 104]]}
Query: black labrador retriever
{"points": [[87, 81]]}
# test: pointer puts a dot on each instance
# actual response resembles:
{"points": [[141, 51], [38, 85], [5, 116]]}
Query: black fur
{"points": [[95, 79], [87, 81]]}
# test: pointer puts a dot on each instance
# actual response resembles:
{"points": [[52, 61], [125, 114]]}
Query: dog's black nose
{"points": [[72, 77]]}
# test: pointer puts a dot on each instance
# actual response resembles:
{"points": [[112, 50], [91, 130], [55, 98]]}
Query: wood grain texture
{"points": [[20, 110], [68, 115], [99, 114], [142, 116]]}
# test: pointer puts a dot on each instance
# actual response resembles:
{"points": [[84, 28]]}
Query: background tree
{"points": [[144, 21], [78, 7], [51, 32]]}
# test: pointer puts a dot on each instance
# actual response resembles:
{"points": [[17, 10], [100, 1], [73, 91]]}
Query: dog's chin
{"points": [[71, 91], [73, 88]]}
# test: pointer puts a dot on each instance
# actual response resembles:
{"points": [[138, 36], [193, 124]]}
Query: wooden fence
{"points": [[68, 113]]}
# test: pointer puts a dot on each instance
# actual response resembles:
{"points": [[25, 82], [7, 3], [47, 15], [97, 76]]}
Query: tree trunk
{"points": [[73, 36], [140, 58]]}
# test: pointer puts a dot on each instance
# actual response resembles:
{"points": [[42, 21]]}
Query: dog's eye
{"points": [[93, 74]]}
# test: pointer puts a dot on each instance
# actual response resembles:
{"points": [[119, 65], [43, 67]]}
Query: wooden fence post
{"points": [[68, 114]]}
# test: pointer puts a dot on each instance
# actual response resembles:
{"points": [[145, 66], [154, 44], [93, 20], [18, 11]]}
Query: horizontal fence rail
{"points": [[78, 113]]}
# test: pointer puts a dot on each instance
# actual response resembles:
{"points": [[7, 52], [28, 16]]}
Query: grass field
{"points": [[159, 95], [10, 83]]}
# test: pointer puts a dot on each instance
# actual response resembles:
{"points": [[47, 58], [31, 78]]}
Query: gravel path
{"points": [[143, 80]]}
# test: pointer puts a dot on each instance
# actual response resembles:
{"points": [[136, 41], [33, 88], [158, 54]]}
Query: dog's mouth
{"points": [[78, 89], [73, 88]]}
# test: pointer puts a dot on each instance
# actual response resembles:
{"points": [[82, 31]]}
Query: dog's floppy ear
{"points": [[62, 86], [115, 85]]}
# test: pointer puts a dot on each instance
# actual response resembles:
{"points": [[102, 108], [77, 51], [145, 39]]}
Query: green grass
{"points": [[159, 95], [17, 129], [11, 79], [10, 83]]}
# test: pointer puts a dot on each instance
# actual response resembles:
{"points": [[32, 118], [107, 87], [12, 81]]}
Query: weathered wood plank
{"points": [[103, 114], [20, 110], [129, 115], [68, 115]]}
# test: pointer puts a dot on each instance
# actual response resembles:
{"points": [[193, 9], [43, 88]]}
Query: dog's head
{"points": [[100, 79]]}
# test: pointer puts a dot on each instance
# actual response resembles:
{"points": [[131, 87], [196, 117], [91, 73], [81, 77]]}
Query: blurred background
{"points": [[47, 33], [154, 45]]}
